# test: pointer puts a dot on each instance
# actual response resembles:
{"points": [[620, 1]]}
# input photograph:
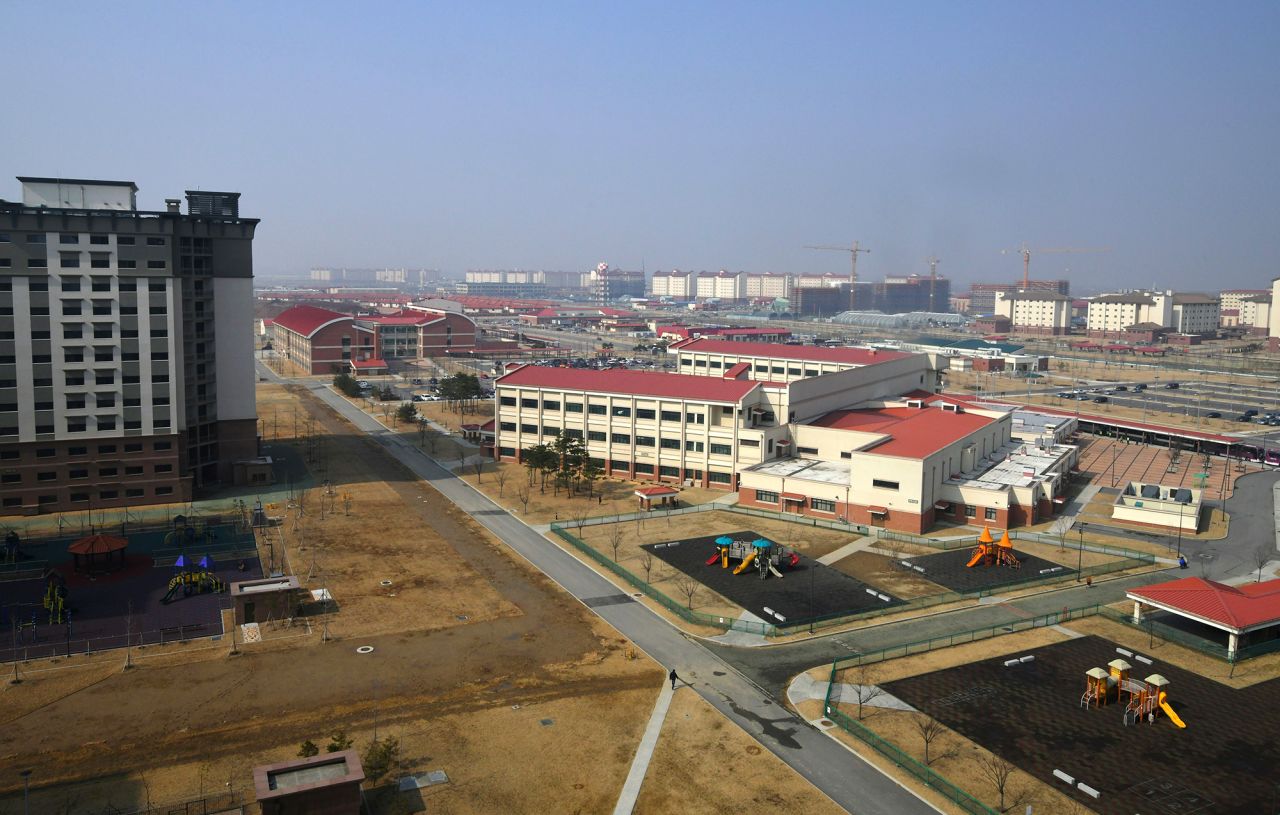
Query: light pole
{"points": [[26, 791], [1080, 555], [1180, 506]]}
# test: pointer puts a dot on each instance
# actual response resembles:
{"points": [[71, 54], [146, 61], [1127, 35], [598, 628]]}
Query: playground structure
{"points": [[994, 553], [1142, 697], [764, 554], [188, 532], [55, 598], [193, 579]]}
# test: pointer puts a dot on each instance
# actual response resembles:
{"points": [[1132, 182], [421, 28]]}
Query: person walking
{"points": [[674, 678], [1088, 582]]}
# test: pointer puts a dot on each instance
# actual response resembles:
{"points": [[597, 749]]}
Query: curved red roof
{"points": [[634, 383], [307, 320]]}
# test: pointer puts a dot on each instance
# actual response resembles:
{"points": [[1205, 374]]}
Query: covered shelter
{"points": [[98, 553], [659, 496], [1250, 611]]}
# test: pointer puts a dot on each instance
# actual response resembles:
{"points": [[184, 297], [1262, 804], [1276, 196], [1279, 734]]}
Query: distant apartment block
{"points": [[126, 346], [982, 296], [727, 287], [1253, 313], [675, 284], [768, 286], [1137, 315], [1035, 312], [606, 285], [1195, 314]]}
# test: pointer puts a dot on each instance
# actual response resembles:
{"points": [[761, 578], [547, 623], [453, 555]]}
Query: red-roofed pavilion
{"points": [[1248, 609]]}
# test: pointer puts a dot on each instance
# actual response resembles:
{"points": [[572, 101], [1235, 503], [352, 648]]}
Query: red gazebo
{"points": [[107, 547]]}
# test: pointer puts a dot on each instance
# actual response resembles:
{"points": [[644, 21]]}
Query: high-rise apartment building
{"points": [[126, 346]]}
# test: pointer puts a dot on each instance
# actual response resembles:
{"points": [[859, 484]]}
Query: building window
{"points": [[624, 412], [668, 472], [721, 449], [596, 410], [819, 505], [107, 472], [989, 513], [163, 468], [35, 238], [531, 429], [884, 485], [11, 478], [595, 435], [507, 401], [573, 407], [619, 464], [644, 441], [549, 430], [670, 415], [695, 418], [79, 473], [529, 403], [69, 260], [670, 444], [509, 427], [134, 492], [108, 495], [127, 264], [550, 404], [135, 470], [807, 451], [644, 413], [970, 511], [155, 241], [644, 469], [749, 442], [766, 497], [693, 446], [164, 490], [719, 478]]}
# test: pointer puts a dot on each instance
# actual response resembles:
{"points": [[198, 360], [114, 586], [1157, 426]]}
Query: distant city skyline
{"points": [[695, 137]]}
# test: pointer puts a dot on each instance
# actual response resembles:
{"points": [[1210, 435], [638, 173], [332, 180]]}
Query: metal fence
{"points": [[1155, 628]]}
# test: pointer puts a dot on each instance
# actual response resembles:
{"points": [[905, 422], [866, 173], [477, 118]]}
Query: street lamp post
{"points": [[1080, 554], [1180, 506], [26, 791]]}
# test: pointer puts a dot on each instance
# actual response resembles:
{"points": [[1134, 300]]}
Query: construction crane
{"points": [[853, 251], [933, 278], [1026, 251]]}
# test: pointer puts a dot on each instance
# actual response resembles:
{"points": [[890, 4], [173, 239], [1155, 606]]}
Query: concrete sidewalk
{"points": [[644, 753]]}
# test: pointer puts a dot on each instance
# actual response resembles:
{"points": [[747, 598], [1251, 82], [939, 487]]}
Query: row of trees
{"points": [[565, 462]]}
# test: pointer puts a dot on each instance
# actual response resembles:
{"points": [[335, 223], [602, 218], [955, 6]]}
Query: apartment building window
{"points": [[133, 448], [749, 442], [36, 238], [71, 308], [100, 260], [693, 446], [68, 238], [73, 355], [721, 449], [644, 413], [644, 441], [38, 285], [46, 452], [78, 473], [127, 264], [133, 470], [819, 505], [72, 332], [670, 444], [103, 354], [970, 511], [6, 263], [108, 495], [719, 478], [507, 401], [11, 478], [572, 433], [573, 407], [163, 468], [155, 241], [670, 415], [155, 264], [104, 377], [509, 427], [106, 400], [595, 435], [157, 287], [668, 472], [884, 485], [624, 412], [99, 240], [531, 429], [766, 497], [529, 403], [155, 311], [596, 410], [550, 430], [107, 472], [106, 423], [134, 492], [644, 469], [69, 260], [124, 240], [695, 418], [989, 513]]}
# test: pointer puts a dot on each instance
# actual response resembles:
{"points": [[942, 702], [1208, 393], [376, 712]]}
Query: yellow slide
{"points": [[1168, 711], [746, 561]]}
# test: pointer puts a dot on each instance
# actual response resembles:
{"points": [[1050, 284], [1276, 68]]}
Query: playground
{"points": [[1035, 709], [988, 564], [794, 586], [77, 595]]}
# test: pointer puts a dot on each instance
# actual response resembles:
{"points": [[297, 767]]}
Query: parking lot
{"points": [[1247, 403]]}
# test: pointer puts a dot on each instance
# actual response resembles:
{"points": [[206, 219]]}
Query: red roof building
{"points": [[852, 357], [632, 383], [914, 432], [323, 341], [1237, 610]]}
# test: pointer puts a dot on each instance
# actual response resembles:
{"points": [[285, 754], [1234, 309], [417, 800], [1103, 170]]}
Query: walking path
{"points": [[644, 753], [846, 550]]}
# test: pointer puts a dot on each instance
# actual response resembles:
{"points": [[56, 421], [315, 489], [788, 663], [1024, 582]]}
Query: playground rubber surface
{"points": [[1223, 763], [103, 611], [807, 591], [948, 570]]}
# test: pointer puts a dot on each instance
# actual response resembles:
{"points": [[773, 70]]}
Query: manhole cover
{"points": [[546, 722], [826, 723], [365, 649], [385, 583]]}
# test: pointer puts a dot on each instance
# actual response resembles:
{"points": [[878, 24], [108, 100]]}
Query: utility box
{"points": [[327, 784]]}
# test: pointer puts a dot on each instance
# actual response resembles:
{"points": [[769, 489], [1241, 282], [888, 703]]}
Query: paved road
{"points": [[849, 781]]}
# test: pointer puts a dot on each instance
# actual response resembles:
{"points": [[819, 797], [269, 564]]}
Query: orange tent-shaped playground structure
{"points": [[993, 553]]}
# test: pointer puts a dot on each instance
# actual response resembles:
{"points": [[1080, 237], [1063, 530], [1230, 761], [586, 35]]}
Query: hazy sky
{"points": [[691, 135]]}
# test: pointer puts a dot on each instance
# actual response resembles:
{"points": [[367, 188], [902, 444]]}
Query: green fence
{"points": [[891, 751], [1155, 628]]}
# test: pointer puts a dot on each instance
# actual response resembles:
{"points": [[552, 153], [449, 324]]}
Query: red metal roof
{"points": [[914, 432], [371, 364], [404, 317], [807, 353], [653, 492], [635, 383], [306, 320], [1249, 605]]}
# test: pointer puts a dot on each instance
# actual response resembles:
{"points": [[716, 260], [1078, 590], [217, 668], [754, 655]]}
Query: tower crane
{"points": [[933, 278], [853, 251], [1026, 252]]}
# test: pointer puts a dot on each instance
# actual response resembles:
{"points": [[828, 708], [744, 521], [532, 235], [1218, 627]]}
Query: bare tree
{"points": [[866, 691], [616, 535], [996, 770], [500, 475], [688, 588], [580, 520], [432, 436], [646, 563], [461, 456], [522, 495], [1261, 557], [477, 467], [930, 730]]}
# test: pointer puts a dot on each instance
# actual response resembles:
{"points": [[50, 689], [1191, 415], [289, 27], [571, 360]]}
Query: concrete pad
{"points": [[844, 551], [744, 638]]}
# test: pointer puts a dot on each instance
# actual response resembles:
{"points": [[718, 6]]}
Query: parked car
{"points": [[1100, 399], [1244, 418], [363, 385], [1121, 388], [1213, 414], [1139, 387], [1252, 412], [1171, 386]]}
